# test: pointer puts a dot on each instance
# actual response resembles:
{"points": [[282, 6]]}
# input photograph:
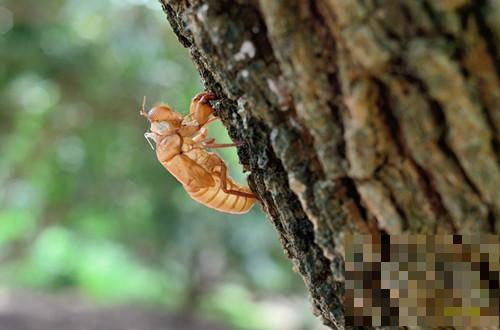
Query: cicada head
{"points": [[163, 119]]}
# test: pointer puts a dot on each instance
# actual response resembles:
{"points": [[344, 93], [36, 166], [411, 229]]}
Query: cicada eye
{"points": [[162, 126]]}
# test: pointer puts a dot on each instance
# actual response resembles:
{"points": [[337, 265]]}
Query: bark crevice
{"points": [[440, 119], [424, 179], [477, 9], [490, 103]]}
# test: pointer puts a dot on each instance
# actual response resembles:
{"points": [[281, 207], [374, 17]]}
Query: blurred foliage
{"points": [[84, 204]]}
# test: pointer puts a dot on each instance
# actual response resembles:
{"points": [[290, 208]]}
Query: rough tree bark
{"points": [[358, 116]]}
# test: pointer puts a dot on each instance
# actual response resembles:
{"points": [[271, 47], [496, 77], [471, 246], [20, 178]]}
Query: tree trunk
{"points": [[358, 116]]}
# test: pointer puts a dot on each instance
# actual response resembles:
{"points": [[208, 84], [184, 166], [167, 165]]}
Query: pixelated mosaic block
{"points": [[419, 280]]}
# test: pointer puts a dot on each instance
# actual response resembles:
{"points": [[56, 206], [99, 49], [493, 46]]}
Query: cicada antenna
{"points": [[143, 112]]}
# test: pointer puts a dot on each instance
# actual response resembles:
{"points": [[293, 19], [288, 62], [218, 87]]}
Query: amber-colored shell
{"points": [[196, 171], [163, 112], [213, 197], [180, 149]]}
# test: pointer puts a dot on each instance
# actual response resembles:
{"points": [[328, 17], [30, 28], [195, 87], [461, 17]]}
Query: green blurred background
{"points": [[84, 204]]}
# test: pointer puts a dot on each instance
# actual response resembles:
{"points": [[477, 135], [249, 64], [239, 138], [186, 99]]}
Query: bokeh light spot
{"points": [[34, 94], [70, 153], [6, 20]]}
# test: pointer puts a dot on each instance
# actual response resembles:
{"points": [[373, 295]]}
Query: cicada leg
{"points": [[200, 109], [223, 184], [202, 139], [212, 145]]}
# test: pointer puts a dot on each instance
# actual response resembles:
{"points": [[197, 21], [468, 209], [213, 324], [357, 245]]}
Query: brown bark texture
{"points": [[358, 116]]}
